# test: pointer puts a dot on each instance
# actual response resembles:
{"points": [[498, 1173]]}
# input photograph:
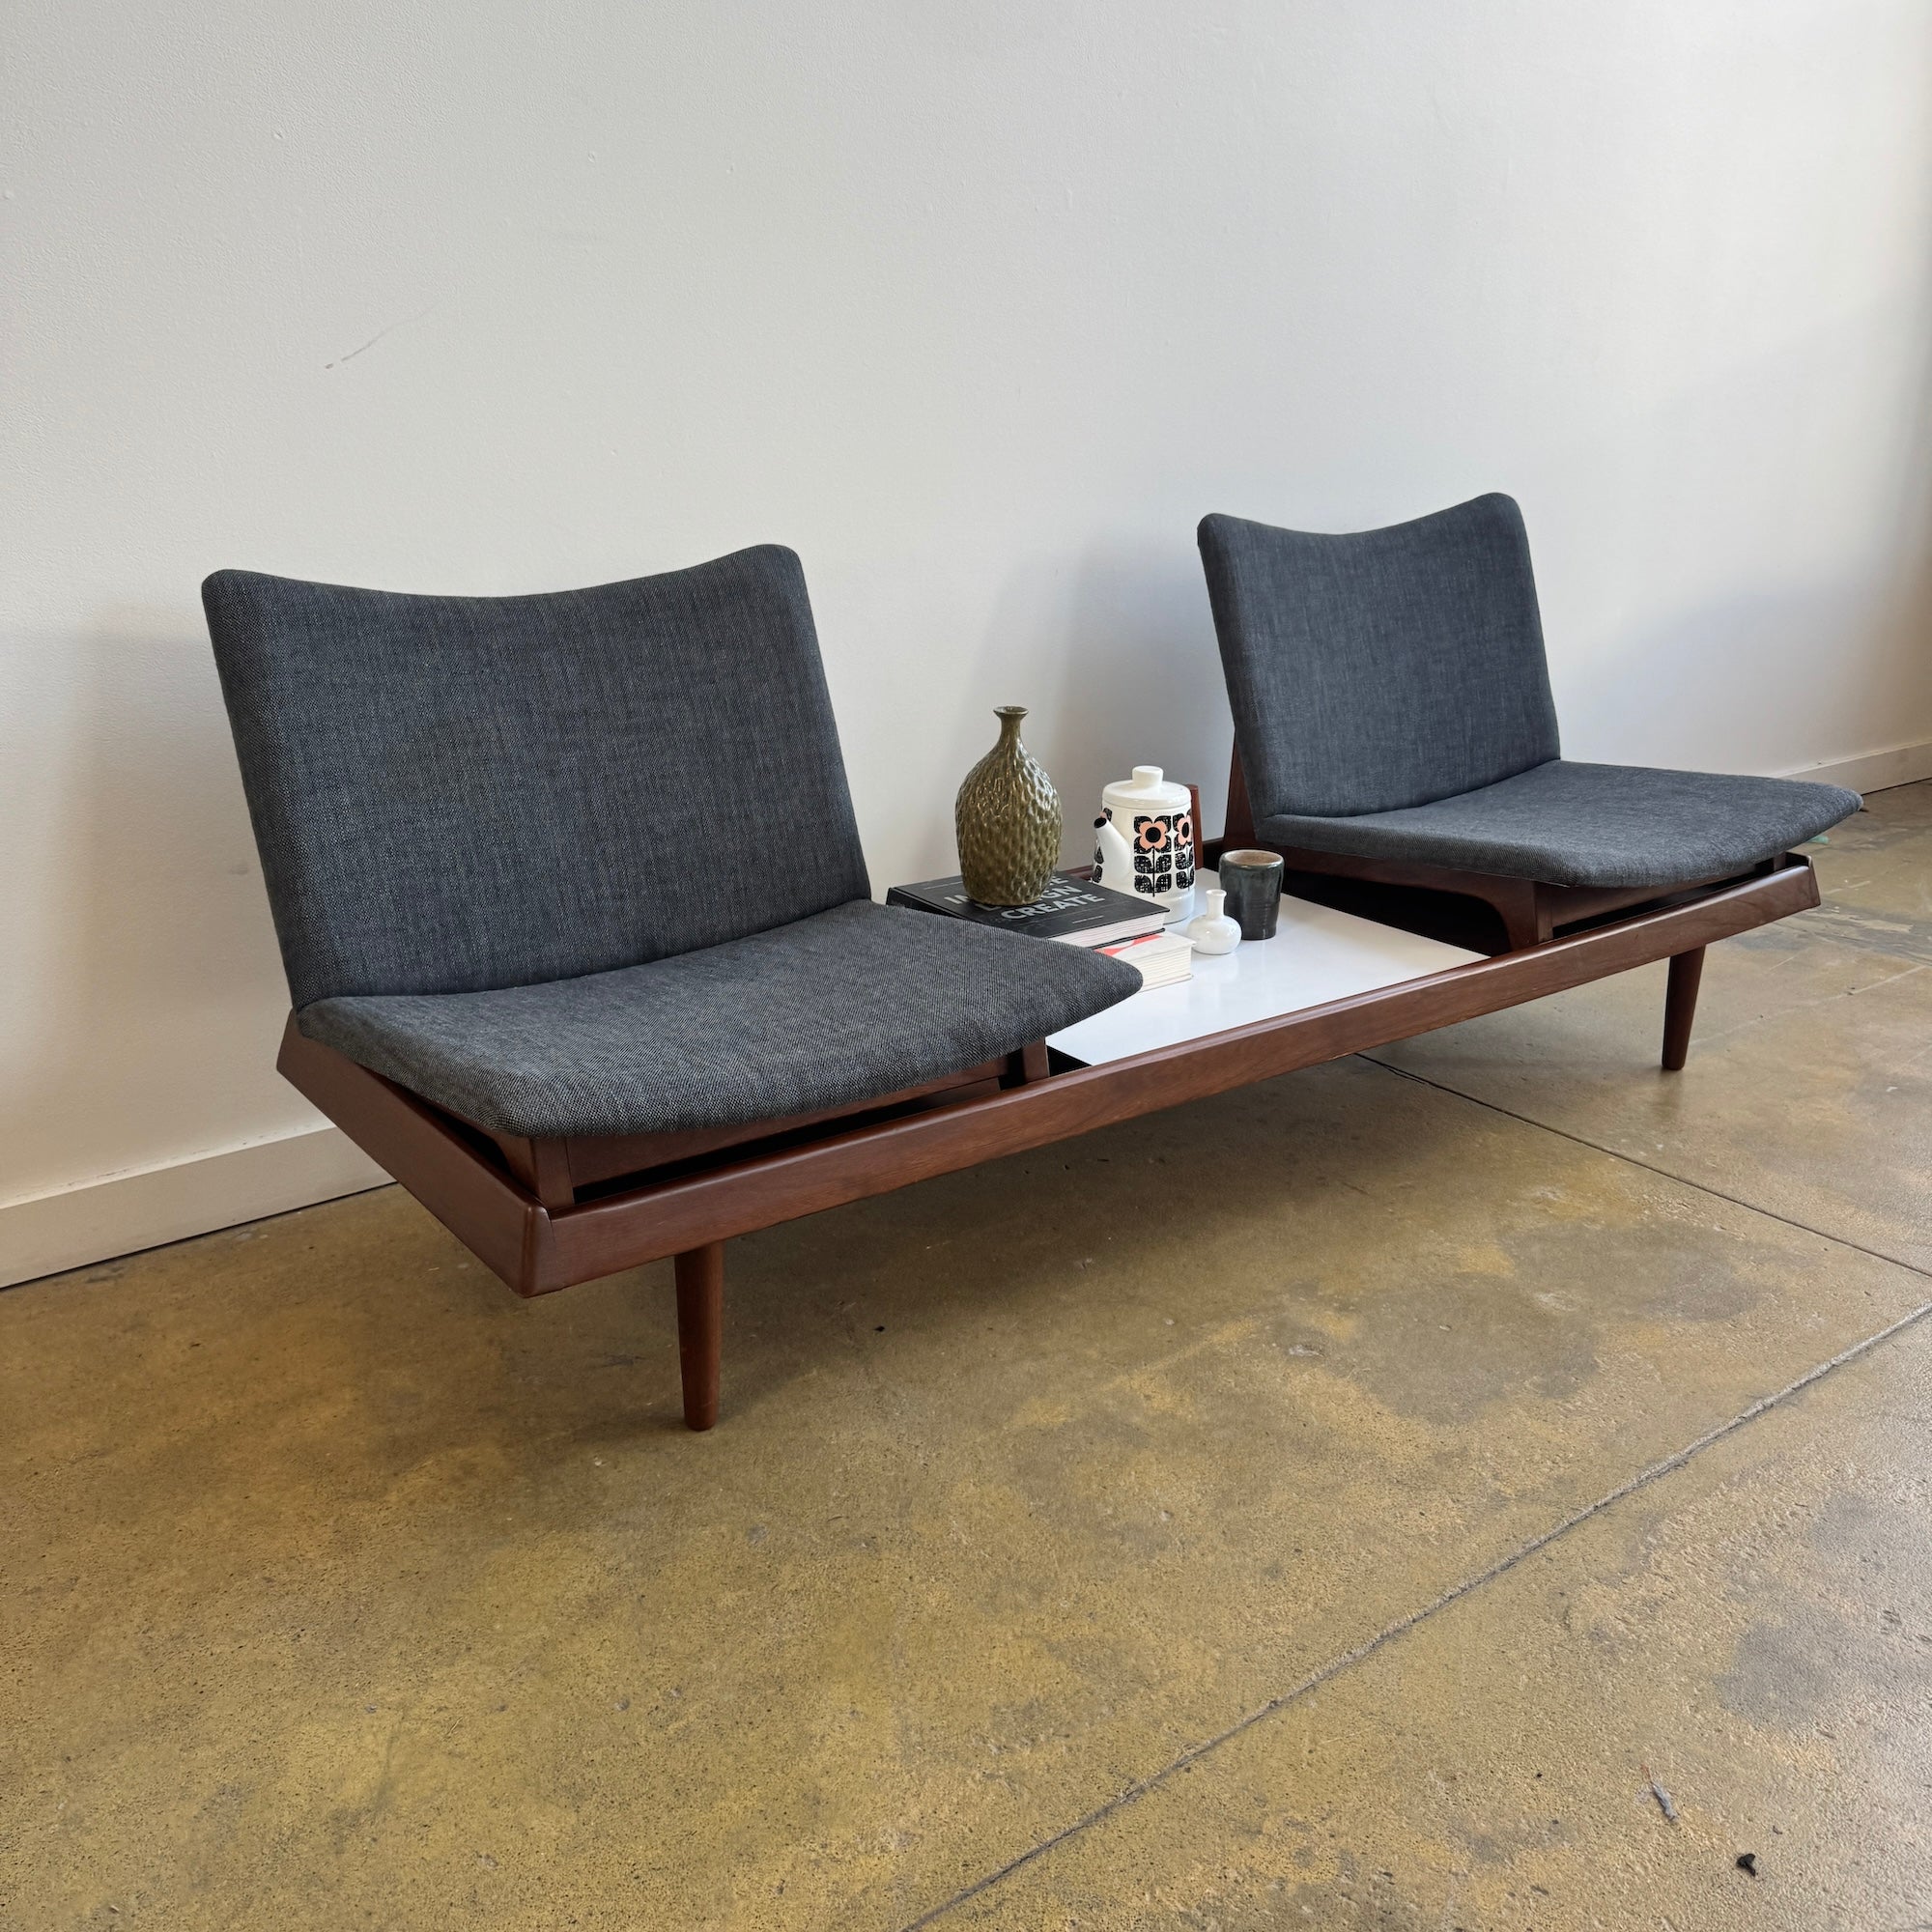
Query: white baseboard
{"points": [[51, 1233], [1902, 765]]}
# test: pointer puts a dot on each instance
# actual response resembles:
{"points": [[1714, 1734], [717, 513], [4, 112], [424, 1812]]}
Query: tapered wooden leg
{"points": [[1680, 1008], [701, 1329]]}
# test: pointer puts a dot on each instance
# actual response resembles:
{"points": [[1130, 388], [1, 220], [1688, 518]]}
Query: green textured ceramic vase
{"points": [[1007, 818]]}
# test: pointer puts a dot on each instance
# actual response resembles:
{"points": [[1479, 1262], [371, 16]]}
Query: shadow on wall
{"points": [[1703, 689], [1136, 678], [1714, 678], [1903, 617], [1801, 531], [155, 995]]}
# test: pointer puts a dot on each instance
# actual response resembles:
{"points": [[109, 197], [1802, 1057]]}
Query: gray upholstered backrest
{"points": [[1382, 668], [452, 793]]}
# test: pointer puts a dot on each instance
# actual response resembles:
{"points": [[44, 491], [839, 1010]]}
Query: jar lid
{"points": [[1148, 787]]}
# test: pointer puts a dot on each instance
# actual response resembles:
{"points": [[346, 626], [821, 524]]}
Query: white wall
{"points": [[978, 305]]}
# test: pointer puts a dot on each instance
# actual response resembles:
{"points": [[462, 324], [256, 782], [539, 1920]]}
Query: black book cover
{"points": [[1069, 909]]}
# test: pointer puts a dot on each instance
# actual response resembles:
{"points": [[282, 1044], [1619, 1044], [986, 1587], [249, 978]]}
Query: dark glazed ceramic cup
{"points": [[1252, 881]]}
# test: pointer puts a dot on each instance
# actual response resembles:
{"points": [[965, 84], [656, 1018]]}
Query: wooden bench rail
{"points": [[538, 1249], [654, 1220], [1529, 912]]}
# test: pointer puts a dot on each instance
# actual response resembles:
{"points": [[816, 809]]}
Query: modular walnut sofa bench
{"points": [[581, 949]]}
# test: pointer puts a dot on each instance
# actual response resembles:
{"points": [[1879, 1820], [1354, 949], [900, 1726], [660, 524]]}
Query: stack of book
{"points": [[1075, 913], [1163, 958]]}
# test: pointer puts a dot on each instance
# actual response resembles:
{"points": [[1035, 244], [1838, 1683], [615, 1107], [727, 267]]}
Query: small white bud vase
{"points": [[1213, 931]]}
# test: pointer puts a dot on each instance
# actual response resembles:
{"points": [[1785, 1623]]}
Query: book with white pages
{"points": [[1161, 958]]}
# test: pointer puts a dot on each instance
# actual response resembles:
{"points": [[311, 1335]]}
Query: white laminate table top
{"points": [[1317, 955]]}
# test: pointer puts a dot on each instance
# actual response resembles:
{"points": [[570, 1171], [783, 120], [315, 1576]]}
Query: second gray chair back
{"points": [[456, 793], [1382, 669]]}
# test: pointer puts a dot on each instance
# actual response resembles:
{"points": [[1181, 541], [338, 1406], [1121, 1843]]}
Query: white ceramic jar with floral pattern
{"points": [[1157, 820]]}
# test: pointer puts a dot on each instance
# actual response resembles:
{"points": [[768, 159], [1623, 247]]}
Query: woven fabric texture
{"points": [[457, 794], [830, 1012], [1588, 825], [1382, 668]]}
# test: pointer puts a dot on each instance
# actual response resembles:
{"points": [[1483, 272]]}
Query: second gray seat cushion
{"points": [[1574, 824], [830, 1012]]}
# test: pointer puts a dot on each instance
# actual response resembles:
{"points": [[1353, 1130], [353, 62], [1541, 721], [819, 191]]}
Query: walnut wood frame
{"points": [[545, 1214], [1532, 910]]}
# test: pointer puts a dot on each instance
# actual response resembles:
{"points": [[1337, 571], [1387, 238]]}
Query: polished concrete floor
{"points": [[1333, 1504]]}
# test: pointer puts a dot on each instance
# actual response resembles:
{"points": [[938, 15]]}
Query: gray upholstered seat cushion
{"points": [[829, 1011], [1588, 825]]}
